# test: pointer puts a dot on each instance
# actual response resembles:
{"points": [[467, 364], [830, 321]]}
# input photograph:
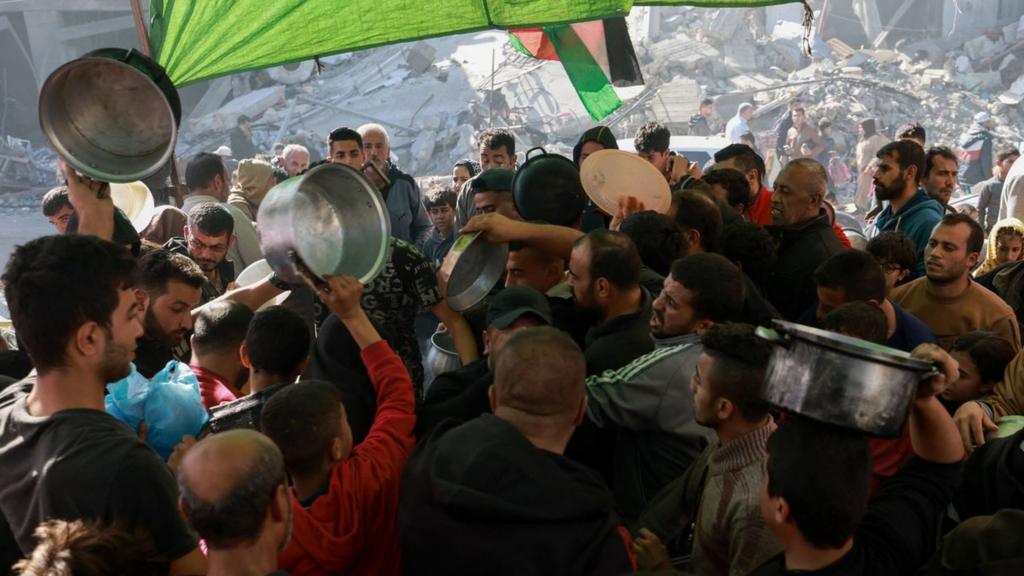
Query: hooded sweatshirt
{"points": [[975, 155], [351, 528], [479, 498], [915, 219]]}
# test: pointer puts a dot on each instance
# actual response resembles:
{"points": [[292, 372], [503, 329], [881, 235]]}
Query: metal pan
{"points": [[609, 175], [329, 221], [113, 114], [841, 380], [472, 268]]}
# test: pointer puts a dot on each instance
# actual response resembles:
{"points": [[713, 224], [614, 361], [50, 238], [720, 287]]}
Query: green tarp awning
{"points": [[200, 39]]}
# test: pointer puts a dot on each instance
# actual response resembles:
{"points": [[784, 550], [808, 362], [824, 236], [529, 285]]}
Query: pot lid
{"points": [[851, 346]]}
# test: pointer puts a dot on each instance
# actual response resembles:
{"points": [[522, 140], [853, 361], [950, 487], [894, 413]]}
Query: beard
{"points": [[891, 191], [154, 330], [116, 362]]}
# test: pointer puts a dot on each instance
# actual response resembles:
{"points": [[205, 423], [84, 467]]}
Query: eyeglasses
{"points": [[198, 246]]}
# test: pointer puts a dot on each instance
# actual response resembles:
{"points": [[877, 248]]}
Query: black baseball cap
{"points": [[493, 180], [513, 303]]}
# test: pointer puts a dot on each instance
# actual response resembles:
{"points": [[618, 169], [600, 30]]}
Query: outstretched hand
{"points": [[628, 205], [949, 370], [494, 227], [342, 295], [84, 192]]}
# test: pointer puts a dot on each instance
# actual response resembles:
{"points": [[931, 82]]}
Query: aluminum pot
{"points": [[472, 268], [331, 220], [841, 380], [441, 356], [547, 188], [113, 114]]}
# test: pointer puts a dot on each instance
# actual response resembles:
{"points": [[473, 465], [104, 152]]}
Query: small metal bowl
{"points": [[473, 267]]}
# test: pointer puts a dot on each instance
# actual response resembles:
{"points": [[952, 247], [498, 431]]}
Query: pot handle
{"points": [[527, 157], [772, 336]]}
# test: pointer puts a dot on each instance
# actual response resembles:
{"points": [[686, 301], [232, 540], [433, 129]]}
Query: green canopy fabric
{"points": [[200, 39]]}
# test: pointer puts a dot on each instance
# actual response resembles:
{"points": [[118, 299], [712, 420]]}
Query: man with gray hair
{"points": [[804, 235], [296, 159], [481, 493], [234, 492], [402, 195]]}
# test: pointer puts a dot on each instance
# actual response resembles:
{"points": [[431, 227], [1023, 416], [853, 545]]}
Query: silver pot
{"points": [[472, 268], [330, 221], [441, 356], [113, 114], [841, 380]]}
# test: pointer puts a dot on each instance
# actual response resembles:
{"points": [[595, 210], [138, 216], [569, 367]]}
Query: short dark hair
{"points": [[220, 327], [211, 219], [894, 247], [752, 248], [539, 372], [860, 320], [856, 272], [929, 157], [158, 267], [277, 341], [745, 157], [706, 102], [976, 240], [242, 119], [657, 237], [438, 196], [237, 517], [1001, 155], [824, 125], [303, 419], [827, 504], [905, 153], [613, 256], [737, 190], [698, 211], [55, 200], [344, 134], [990, 352], [55, 284], [202, 169], [494, 138], [91, 549], [741, 358], [652, 137], [912, 130], [716, 284]]}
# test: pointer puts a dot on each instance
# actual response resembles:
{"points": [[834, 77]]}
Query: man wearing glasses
{"points": [[209, 235]]}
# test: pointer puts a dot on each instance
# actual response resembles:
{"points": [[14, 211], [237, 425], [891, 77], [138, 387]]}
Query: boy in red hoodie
{"points": [[344, 498]]}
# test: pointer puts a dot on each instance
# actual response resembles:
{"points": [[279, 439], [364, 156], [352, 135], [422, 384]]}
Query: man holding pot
{"points": [[823, 519]]}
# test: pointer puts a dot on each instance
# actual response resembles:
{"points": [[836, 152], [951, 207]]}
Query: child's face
{"points": [[893, 274], [969, 386], [442, 217], [1008, 248]]}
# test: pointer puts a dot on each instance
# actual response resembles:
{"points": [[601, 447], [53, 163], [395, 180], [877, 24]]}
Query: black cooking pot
{"points": [[113, 114], [547, 187]]}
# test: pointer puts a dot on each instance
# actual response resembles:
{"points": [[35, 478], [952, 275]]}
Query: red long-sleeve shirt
{"points": [[352, 529]]}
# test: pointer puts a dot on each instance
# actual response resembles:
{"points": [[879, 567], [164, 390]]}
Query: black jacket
{"points": [[619, 341], [801, 249], [479, 498]]}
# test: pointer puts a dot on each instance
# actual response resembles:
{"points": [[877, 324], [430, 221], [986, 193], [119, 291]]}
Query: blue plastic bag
{"points": [[169, 403]]}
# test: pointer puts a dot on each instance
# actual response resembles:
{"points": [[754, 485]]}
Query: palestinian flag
{"points": [[598, 56]]}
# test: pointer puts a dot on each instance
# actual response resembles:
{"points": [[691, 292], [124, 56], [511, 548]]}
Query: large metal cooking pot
{"points": [[547, 187], [113, 114], [841, 380], [441, 356], [472, 268], [331, 220]]}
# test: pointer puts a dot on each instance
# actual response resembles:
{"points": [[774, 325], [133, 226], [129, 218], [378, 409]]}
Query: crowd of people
{"points": [[606, 417]]}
